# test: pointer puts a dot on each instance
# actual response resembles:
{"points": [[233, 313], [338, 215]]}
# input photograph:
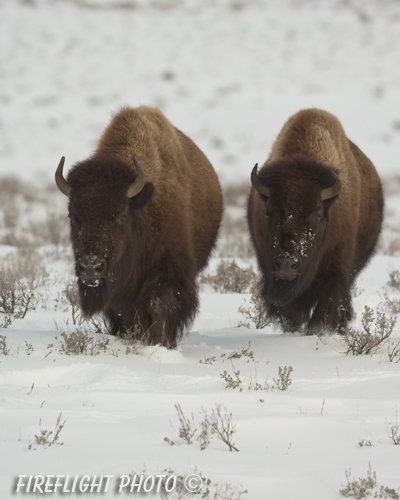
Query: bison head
{"points": [[104, 197], [296, 195]]}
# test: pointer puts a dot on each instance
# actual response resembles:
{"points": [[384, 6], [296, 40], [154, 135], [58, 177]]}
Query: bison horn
{"points": [[140, 180], [264, 190], [334, 190], [62, 184]]}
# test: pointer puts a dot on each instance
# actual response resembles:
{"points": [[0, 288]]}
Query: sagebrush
{"points": [[366, 487], [229, 278], [21, 278], [218, 422], [255, 311], [80, 342], [49, 438], [363, 340]]}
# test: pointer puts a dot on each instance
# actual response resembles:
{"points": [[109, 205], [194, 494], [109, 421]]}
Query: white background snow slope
{"points": [[228, 73]]}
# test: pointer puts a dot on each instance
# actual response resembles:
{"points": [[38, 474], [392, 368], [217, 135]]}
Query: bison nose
{"points": [[287, 268], [91, 269]]}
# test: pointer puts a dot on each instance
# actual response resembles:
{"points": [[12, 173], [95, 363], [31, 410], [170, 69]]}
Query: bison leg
{"points": [[123, 325], [161, 307], [333, 310], [161, 334], [281, 318], [171, 309], [294, 316], [114, 320], [172, 300]]}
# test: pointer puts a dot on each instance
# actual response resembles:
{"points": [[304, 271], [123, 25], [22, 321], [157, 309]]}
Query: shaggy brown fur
{"points": [[137, 258], [310, 250]]}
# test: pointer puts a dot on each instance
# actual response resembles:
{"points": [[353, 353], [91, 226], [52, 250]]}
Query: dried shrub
{"points": [[9, 299], [80, 342], [394, 434], [236, 195], [255, 385], [13, 197], [31, 217], [28, 348], [20, 280], [99, 324], [234, 382], [366, 487], [361, 488], [205, 435], [394, 246], [4, 347], [71, 293], [356, 292], [13, 186], [220, 424], [255, 311], [394, 279], [186, 430], [6, 322], [229, 278], [365, 442], [210, 490], [210, 360], [393, 431], [363, 341], [391, 305], [133, 339], [49, 438], [11, 213], [234, 239], [283, 382], [246, 352], [393, 351], [57, 228]]}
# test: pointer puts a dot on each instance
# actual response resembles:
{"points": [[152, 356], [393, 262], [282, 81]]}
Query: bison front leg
{"points": [[161, 330], [282, 318], [172, 303], [334, 309], [114, 320]]}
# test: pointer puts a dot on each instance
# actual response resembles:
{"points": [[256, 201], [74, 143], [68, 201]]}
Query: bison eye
{"points": [[122, 219], [317, 218], [267, 215]]}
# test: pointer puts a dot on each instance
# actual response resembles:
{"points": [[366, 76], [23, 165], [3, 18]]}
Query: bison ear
{"points": [[140, 200], [334, 190], [263, 190]]}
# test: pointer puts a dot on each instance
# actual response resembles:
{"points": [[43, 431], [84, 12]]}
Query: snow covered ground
{"points": [[228, 73]]}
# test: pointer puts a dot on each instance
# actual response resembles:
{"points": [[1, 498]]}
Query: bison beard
{"points": [[280, 291], [93, 299]]}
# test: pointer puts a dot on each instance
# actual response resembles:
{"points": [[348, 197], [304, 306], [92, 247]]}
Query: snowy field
{"points": [[228, 73]]}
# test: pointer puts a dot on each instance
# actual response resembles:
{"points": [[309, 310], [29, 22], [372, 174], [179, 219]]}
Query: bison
{"points": [[144, 210], [314, 213]]}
